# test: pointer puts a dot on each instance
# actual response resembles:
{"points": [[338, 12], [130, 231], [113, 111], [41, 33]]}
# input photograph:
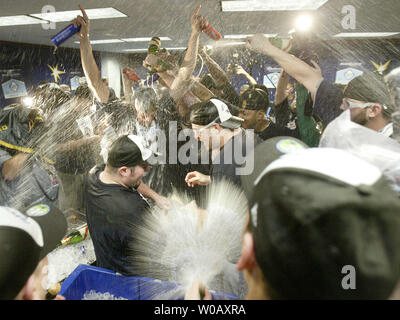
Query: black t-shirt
{"points": [[111, 212], [286, 123], [328, 100], [231, 157]]}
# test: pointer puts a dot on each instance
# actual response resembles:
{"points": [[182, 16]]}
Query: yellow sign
{"points": [[56, 73], [381, 68]]}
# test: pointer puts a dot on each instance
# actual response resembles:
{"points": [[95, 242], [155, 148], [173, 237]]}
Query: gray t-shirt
{"points": [[36, 183]]}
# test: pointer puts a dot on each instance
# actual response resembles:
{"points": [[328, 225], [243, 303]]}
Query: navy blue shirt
{"points": [[111, 212], [328, 100]]}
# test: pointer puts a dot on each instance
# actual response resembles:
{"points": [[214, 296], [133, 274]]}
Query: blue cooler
{"points": [[86, 278]]}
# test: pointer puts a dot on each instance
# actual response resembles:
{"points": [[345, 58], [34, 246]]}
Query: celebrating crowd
{"points": [[319, 168]]}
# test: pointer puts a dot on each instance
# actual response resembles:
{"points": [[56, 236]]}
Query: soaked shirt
{"points": [[112, 211]]}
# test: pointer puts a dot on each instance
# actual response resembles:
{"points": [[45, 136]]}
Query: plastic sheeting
{"points": [[365, 143]]}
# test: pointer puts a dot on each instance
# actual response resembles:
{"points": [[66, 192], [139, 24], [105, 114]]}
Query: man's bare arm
{"points": [[13, 166], [305, 74], [182, 82], [92, 72], [216, 71]]}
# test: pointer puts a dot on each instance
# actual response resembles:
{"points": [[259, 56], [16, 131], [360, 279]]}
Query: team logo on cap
{"points": [[38, 210], [288, 146]]}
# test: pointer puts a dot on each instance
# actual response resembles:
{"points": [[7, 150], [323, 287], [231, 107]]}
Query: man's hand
{"points": [[259, 43], [163, 203], [197, 21], [197, 178], [197, 292], [84, 22]]}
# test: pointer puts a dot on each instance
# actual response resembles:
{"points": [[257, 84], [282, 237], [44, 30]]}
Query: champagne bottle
{"points": [[65, 34], [76, 236], [211, 32]]}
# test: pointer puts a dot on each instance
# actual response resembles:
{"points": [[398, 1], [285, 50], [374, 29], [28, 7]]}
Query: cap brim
{"points": [[53, 224], [232, 123], [263, 155]]}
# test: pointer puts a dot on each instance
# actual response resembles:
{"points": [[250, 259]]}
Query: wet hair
{"points": [[147, 97], [49, 97], [84, 92]]}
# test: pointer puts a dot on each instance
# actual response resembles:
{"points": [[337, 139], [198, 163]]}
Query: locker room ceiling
{"points": [[171, 18]]}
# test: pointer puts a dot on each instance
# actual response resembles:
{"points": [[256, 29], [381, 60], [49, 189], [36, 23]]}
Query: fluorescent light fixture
{"points": [[135, 50], [105, 41], [19, 21], [304, 23], [93, 14], [177, 48], [365, 34], [144, 39], [272, 5], [244, 36]]}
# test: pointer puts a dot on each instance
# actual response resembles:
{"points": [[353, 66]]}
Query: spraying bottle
{"points": [[65, 34], [211, 32]]}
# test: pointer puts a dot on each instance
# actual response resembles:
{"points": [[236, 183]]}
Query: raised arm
{"points": [[92, 72], [182, 82], [240, 71], [308, 76], [216, 71]]}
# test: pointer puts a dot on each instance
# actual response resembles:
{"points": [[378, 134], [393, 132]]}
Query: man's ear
{"points": [[248, 259], [123, 171], [374, 111]]}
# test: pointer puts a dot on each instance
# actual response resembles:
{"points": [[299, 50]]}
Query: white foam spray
{"points": [[187, 242]]}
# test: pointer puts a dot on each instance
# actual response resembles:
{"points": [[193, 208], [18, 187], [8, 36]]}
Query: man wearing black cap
{"points": [[253, 108], [114, 202], [215, 126], [335, 239], [25, 241]]}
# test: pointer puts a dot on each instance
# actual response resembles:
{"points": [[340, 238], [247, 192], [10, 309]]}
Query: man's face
{"points": [[210, 137], [250, 118], [358, 115], [133, 175], [146, 118]]}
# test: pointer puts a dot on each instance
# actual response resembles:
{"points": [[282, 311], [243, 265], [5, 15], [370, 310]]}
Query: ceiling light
{"points": [[365, 34], [135, 50], [144, 39], [304, 23], [19, 21], [93, 14], [244, 36], [105, 41], [272, 5]]}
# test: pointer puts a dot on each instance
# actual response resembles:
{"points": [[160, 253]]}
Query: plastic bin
{"points": [[86, 278]]}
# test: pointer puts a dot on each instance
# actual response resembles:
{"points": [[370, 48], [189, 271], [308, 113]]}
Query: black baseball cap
{"points": [[25, 239], [370, 87], [254, 99], [315, 212], [128, 151], [265, 153]]}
